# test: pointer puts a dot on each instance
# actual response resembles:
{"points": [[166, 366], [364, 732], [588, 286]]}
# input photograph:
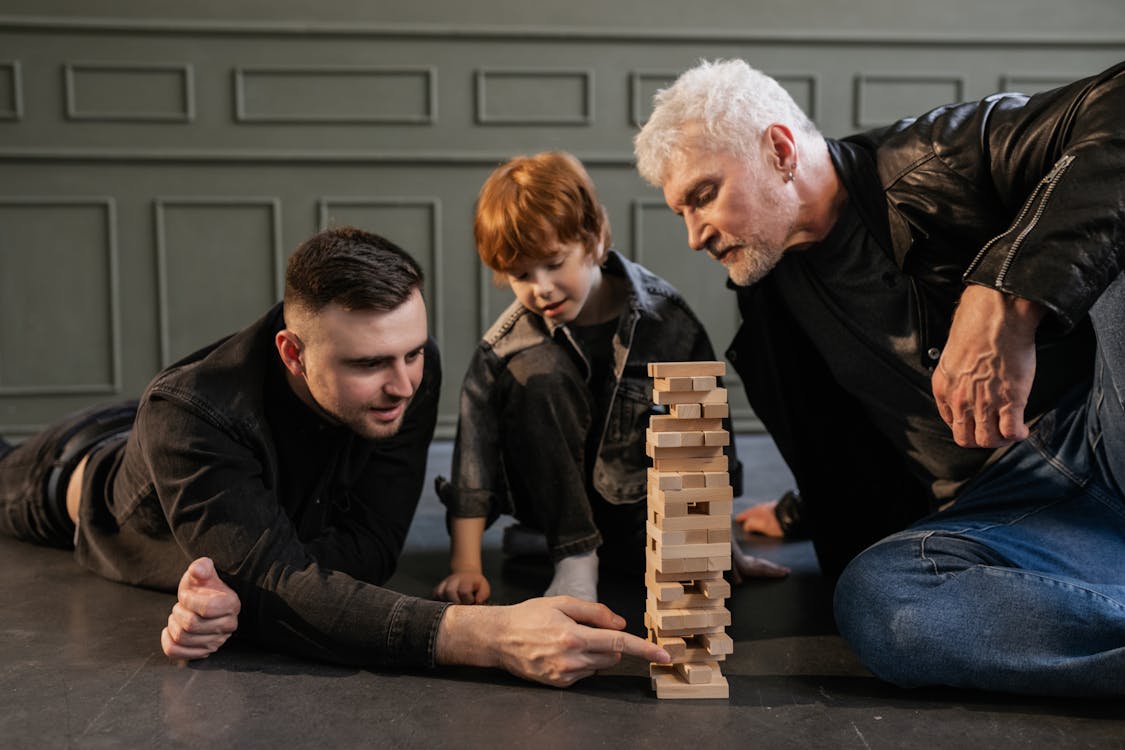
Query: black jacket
{"points": [[1022, 194], [214, 467]]}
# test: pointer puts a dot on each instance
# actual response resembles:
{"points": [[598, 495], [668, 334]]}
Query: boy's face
{"points": [[557, 287]]}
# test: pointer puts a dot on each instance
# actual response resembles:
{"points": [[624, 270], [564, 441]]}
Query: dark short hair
{"points": [[355, 269]]}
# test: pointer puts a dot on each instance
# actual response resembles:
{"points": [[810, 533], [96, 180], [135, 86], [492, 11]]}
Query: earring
{"points": [[789, 177]]}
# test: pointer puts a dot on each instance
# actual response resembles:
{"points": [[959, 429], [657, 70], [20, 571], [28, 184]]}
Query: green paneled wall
{"points": [[156, 172]]}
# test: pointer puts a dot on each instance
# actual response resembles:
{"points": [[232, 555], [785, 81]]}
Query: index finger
{"points": [[612, 641]]}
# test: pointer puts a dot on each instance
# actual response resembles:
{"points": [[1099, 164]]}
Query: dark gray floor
{"points": [[81, 667]]}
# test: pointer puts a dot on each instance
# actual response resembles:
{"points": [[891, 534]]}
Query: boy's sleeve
{"points": [[477, 472]]}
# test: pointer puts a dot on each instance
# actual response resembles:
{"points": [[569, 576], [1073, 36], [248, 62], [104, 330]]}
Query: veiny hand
{"points": [[984, 377], [464, 588], [204, 616], [556, 641], [744, 566], [761, 519]]}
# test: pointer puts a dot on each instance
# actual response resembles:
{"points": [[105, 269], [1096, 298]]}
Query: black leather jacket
{"points": [[1022, 194]]}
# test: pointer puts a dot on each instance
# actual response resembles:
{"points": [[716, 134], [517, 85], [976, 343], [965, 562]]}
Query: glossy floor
{"points": [[81, 667]]}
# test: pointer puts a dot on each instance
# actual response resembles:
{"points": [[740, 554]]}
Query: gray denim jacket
{"points": [[658, 327]]}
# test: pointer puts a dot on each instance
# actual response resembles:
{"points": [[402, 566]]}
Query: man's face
{"points": [[744, 217], [363, 367]]}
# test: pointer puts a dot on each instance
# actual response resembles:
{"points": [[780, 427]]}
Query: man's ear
{"points": [[781, 148], [289, 348]]}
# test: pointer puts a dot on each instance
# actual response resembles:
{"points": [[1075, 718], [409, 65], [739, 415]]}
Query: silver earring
{"points": [[789, 177]]}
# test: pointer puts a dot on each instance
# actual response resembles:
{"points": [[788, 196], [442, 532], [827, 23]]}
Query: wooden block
{"points": [[716, 479], [674, 384], [678, 536], [667, 685], [687, 601], [699, 496], [694, 674], [687, 411], [719, 562], [714, 536], [668, 508], [714, 411], [682, 451], [705, 398], [686, 369], [687, 522], [682, 551], [663, 591], [668, 423], [675, 621], [691, 480], [663, 439], [716, 589], [718, 463], [712, 507], [685, 568], [663, 576], [716, 644], [665, 480], [684, 632], [704, 383], [716, 437], [676, 647]]}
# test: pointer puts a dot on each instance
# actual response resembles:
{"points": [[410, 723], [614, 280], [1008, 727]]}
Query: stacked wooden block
{"points": [[689, 530]]}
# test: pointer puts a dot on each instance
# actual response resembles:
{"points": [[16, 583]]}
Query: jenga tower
{"points": [[689, 507]]}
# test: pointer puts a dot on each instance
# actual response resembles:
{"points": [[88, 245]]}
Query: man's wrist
{"points": [[461, 637]]}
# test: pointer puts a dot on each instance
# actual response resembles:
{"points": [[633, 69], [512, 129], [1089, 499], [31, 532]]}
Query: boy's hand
{"points": [[744, 566], [204, 616], [464, 588]]}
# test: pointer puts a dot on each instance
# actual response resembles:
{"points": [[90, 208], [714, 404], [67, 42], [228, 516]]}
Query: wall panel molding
{"points": [[161, 206], [867, 87], [435, 276], [113, 296], [313, 29], [302, 112], [12, 109], [129, 72], [533, 78]]}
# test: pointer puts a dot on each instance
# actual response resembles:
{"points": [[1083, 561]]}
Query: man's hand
{"points": [[204, 616], [983, 379], [464, 588], [543, 640], [745, 566], [761, 519]]}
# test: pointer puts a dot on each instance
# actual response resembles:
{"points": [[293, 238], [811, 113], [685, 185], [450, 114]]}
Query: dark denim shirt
{"points": [[303, 519], [658, 326]]}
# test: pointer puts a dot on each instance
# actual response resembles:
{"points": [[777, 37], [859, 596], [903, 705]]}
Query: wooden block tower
{"points": [[689, 530]]}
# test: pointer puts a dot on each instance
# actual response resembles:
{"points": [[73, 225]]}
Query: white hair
{"points": [[726, 104]]}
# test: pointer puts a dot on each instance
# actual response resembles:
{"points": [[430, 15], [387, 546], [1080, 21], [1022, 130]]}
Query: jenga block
{"points": [[663, 590], [714, 411], [714, 536], [704, 383], [665, 480], [667, 684], [664, 576], [718, 463], [667, 507], [716, 479], [663, 439], [712, 507], [686, 522], [687, 551], [716, 589], [687, 411], [668, 423], [681, 619], [694, 674], [683, 632], [719, 562], [687, 601], [716, 643], [705, 398], [676, 647], [695, 495], [678, 536], [674, 384], [687, 568], [716, 437], [681, 451], [686, 369], [692, 480]]}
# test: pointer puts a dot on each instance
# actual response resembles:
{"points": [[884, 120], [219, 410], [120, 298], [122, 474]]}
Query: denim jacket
{"points": [[303, 519], [658, 326]]}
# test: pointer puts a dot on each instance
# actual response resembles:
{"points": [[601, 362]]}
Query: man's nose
{"points": [[400, 383], [699, 232]]}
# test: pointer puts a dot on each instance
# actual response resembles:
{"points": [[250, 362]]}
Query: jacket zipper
{"points": [[1039, 198]]}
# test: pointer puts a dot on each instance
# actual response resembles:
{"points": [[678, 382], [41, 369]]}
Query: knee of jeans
{"points": [[879, 614]]}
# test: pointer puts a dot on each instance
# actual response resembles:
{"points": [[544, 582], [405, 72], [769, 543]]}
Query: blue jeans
{"points": [[1020, 585]]}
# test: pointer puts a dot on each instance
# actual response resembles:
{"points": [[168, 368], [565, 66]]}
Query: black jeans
{"points": [[34, 474], [548, 433]]}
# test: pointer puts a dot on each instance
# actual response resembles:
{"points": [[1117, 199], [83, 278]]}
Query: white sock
{"points": [[576, 576]]}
